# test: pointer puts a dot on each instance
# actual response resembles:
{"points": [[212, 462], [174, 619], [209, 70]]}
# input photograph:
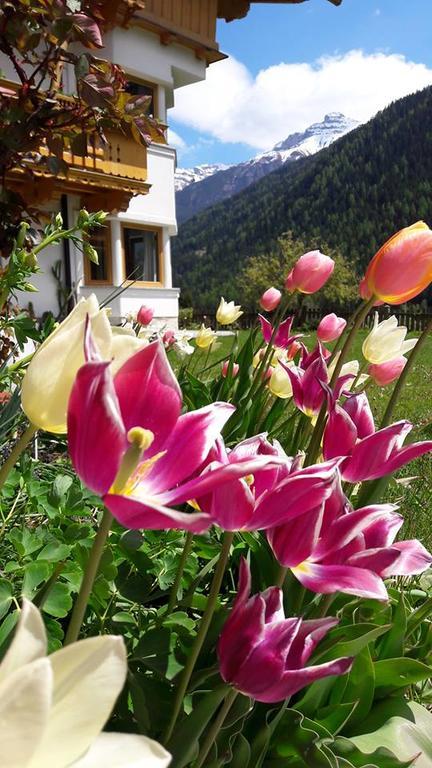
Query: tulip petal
{"points": [[407, 454], [29, 642], [310, 633], [294, 680], [25, 700], [294, 542], [267, 658], [96, 433], [266, 328], [382, 532], [209, 480], [326, 579], [232, 505], [187, 446], [340, 434], [372, 457], [378, 560], [348, 526], [88, 677], [242, 631], [148, 514], [149, 394], [358, 408], [124, 750], [413, 558], [294, 496]]}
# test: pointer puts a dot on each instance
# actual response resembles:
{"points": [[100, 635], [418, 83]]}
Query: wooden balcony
{"points": [[189, 22]]}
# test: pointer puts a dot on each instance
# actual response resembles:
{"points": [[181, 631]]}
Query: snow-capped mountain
{"points": [[216, 183], [186, 176]]}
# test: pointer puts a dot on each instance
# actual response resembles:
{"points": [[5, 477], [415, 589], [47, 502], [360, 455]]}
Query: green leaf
{"points": [[362, 635], [398, 673], [360, 686], [294, 738], [380, 757], [334, 718], [59, 489], [59, 601], [403, 728], [180, 619], [54, 552], [184, 743], [393, 643], [6, 593], [6, 629], [35, 573]]}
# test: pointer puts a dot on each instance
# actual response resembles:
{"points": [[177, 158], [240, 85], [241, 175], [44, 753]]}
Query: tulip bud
{"points": [[58, 221], [90, 252], [402, 268], [310, 272], [22, 234], [145, 315], [31, 260], [30, 288], [270, 299], [234, 369], [386, 373], [227, 312], [331, 327], [168, 338], [386, 341], [205, 337], [83, 218]]}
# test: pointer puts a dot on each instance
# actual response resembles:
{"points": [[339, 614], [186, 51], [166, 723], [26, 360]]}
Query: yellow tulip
{"points": [[53, 708], [280, 383], [228, 312], [205, 337]]}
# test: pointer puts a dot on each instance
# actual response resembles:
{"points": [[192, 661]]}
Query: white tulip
{"points": [[280, 383], [386, 341], [53, 708], [228, 312]]}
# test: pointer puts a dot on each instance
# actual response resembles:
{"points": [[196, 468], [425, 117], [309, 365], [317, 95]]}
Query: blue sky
{"points": [[290, 65]]}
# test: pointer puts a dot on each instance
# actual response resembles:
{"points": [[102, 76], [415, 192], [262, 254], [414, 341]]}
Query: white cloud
{"points": [[233, 106], [174, 140]]}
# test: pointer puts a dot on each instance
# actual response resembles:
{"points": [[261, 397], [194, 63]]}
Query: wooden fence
{"points": [[414, 321]]}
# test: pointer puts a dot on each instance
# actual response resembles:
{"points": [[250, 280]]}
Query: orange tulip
{"points": [[402, 268]]}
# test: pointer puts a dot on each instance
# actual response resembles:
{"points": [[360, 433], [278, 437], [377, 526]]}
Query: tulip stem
{"points": [[16, 452], [315, 441], [89, 577], [404, 375], [217, 725], [177, 581], [280, 579], [202, 631]]}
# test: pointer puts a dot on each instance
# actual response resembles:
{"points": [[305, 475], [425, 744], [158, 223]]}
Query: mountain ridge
{"points": [[351, 196], [198, 188]]}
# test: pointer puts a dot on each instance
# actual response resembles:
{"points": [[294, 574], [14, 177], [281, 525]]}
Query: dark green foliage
{"points": [[352, 196]]}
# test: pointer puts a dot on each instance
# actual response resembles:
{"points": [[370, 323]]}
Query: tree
{"points": [[36, 39], [264, 270]]}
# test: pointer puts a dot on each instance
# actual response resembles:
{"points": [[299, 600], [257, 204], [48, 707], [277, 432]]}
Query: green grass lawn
{"points": [[415, 404]]}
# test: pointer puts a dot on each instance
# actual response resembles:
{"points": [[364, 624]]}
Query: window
{"points": [[100, 239], [143, 89], [142, 250]]}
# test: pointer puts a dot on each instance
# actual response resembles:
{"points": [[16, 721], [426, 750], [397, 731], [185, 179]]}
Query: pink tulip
{"points": [[308, 393], [293, 348], [282, 338], [346, 550], [350, 432], [307, 357], [130, 444], [234, 369], [386, 373], [270, 299], [310, 272], [331, 327], [264, 655], [168, 339], [145, 315]]}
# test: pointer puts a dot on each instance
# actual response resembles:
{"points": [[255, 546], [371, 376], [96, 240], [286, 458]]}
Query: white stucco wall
{"points": [[158, 207]]}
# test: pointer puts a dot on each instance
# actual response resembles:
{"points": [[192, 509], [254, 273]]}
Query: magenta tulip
{"points": [[282, 338], [331, 327], [350, 432], [130, 444], [332, 549], [308, 392], [264, 655], [145, 315], [385, 373], [270, 299], [168, 339], [310, 272], [276, 492]]}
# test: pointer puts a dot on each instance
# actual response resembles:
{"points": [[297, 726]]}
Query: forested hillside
{"points": [[352, 196]]}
